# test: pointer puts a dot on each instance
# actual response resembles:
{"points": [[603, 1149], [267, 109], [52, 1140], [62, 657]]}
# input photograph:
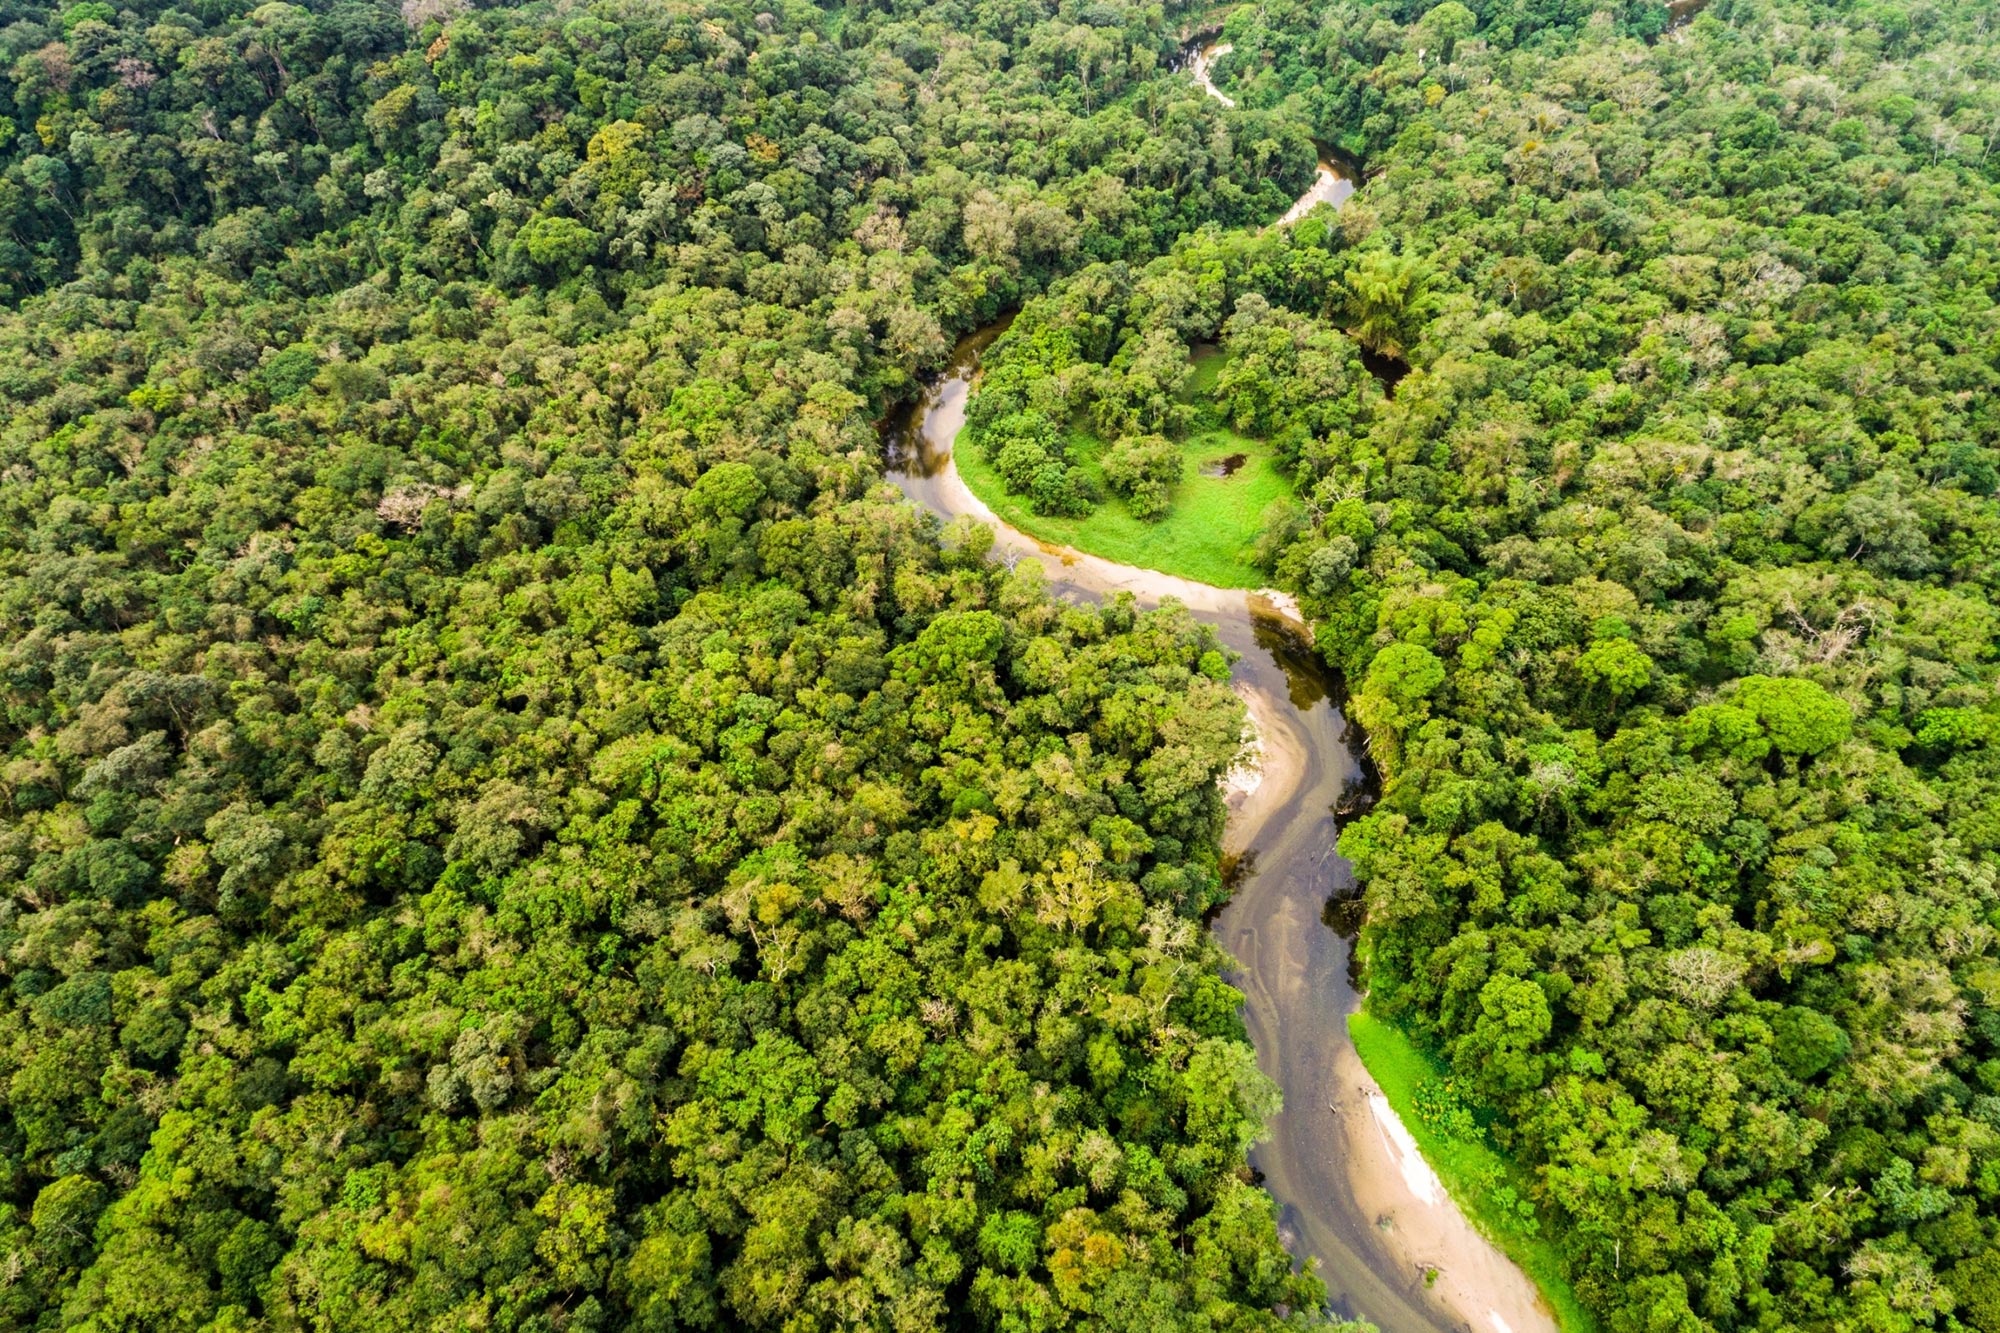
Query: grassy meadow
{"points": [[1206, 536]]}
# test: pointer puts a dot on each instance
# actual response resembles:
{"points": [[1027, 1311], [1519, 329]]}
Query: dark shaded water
{"points": [[1390, 370], [913, 444]]}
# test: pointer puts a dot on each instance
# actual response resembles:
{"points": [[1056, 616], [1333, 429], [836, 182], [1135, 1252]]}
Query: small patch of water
{"points": [[1191, 47], [1224, 467], [1680, 13], [1388, 369]]}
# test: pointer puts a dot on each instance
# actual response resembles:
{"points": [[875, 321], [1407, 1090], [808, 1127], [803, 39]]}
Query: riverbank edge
{"points": [[1398, 1066]]}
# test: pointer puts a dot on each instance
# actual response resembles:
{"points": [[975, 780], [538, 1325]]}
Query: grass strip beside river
{"points": [[1488, 1187]]}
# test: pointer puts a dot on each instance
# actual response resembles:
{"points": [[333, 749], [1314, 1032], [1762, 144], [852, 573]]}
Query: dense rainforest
{"points": [[1667, 586], [507, 822]]}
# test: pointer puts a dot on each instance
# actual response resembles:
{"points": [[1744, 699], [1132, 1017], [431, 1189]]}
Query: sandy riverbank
{"points": [[1419, 1229], [1421, 1226], [1279, 764]]}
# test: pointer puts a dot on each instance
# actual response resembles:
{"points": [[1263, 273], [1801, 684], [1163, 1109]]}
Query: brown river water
{"points": [[1352, 1192]]}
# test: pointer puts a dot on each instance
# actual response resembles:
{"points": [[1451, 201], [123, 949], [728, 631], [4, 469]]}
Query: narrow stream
{"points": [[1352, 1191], [1332, 183]]}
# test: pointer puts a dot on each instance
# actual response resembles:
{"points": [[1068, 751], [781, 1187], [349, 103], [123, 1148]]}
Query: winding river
{"points": [[1352, 1190]]}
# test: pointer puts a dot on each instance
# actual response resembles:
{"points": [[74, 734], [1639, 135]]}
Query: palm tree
{"points": [[1389, 298]]}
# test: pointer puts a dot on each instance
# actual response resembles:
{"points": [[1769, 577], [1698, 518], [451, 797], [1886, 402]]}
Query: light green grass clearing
{"points": [[1207, 534], [1207, 364], [1486, 1186]]}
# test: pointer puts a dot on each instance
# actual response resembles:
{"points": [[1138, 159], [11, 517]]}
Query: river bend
{"points": [[1352, 1191], [1332, 183]]}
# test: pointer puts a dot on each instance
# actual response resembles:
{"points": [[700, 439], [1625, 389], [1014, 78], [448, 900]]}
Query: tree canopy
{"points": [[1665, 582], [507, 821]]}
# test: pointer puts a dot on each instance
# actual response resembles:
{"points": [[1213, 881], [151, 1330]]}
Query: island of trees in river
{"points": [[507, 821]]}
